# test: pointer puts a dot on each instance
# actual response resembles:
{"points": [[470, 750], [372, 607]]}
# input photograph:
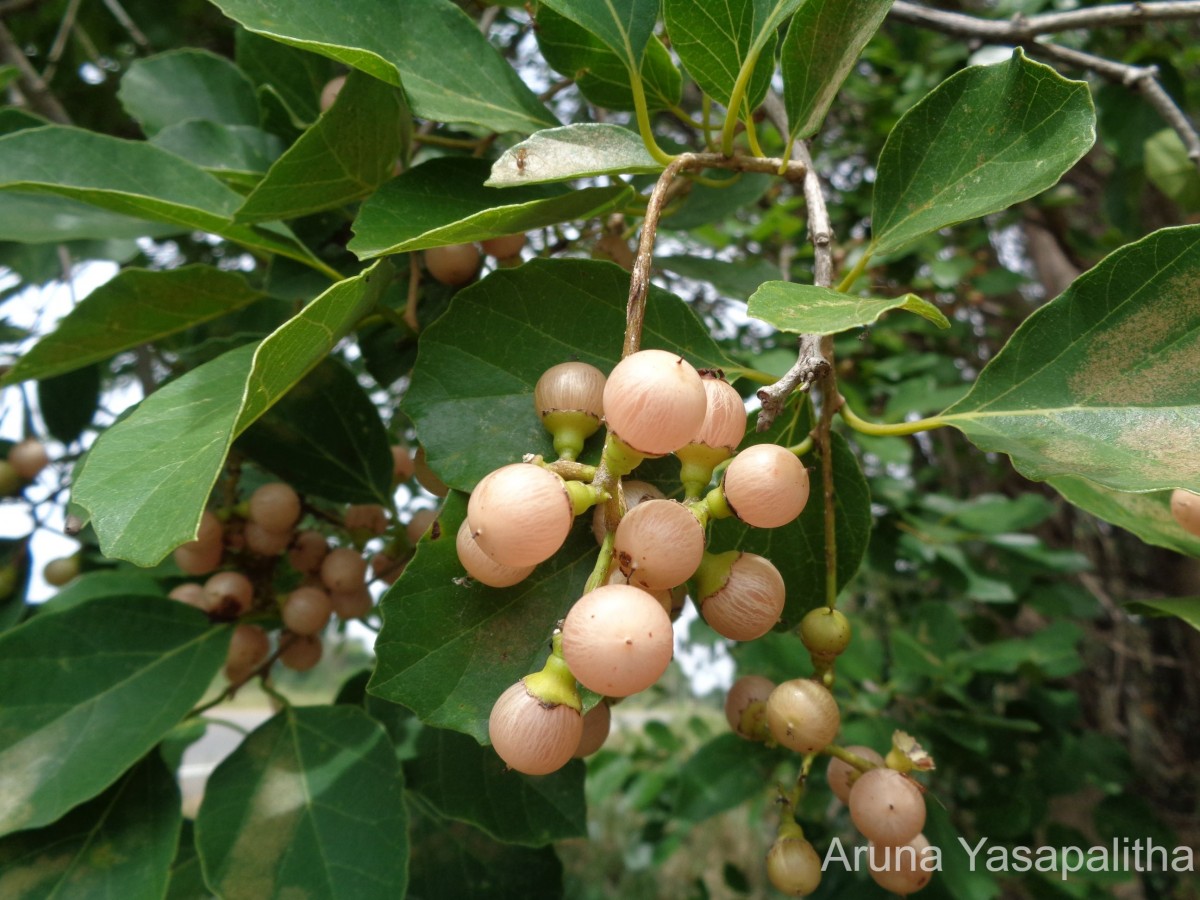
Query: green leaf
{"points": [[101, 583], [600, 73], [807, 309], [1170, 169], [822, 44], [293, 76], [178, 85], [449, 669], [471, 784], [431, 48], [1187, 609], [325, 438], [118, 845], [451, 860], [444, 201], [1104, 381], [13, 119], [14, 580], [136, 307], [798, 548], [187, 881], [136, 179], [136, 666], [573, 151], [147, 478], [1148, 515], [239, 153], [347, 154], [1052, 651], [716, 41], [625, 26], [473, 415], [311, 802], [736, 280], [982, 140], [42, 218], [722, 774], [69, 402]]}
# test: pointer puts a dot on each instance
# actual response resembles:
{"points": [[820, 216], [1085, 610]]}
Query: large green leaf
{"points": [[822, 44], [444, 201], [178, 85], [1148, 515], [573, 151], [311, 803], [473, 415], [69, 402], [325, 438], [294, 76], [717, 40], [982, 140], [601, 73], [347, 154], [1104, 381], [1186, 608], [43, 218], [136, 179], [89, 691], [118, 845], [240, 154], [430, 48], [798, 548], [470, 783], [136, 307], [625, 26], [808, 309], [450, 668], [724, 773], [147, 478]]}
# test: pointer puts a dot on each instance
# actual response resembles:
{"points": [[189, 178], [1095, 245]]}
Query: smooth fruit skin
{"points": [[825, 632], [352, 604], [190, 593], [766, 486], [1185, 507], [531, 736], [841, 775], [654, 402], [505, 247], [905, 869], [229, 594], [617, 640], [886, 807], [307, 610], [262, 542], [659, 544], [344, 569], [419, 524], [302, 654], [28, 458], [453, 265], [482, 567], [794, 867], [596, 724], [402, 464], [248, 648], [521, 514], [60, 571], [803, 715], [275, 507], [308, 550]]}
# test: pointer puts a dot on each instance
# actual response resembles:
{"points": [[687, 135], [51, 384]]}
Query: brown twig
{"points": [[37, 94], [126, 21], [59, 45]]}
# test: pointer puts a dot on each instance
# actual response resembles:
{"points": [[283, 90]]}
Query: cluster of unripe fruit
{"points": [[23, 463], [617, 640]]}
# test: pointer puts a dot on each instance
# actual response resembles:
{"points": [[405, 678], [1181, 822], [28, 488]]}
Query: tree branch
{"points": [[39, 97]]}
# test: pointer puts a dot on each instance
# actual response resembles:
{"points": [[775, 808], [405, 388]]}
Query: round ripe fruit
{"points": [[654, 402], [596, 724], [352, 604], [344, 569], [841, 775], [419, 524], [402, 463], [723, 428], [330, 92], [1185, 507], [197, 560], [368, 518], [803, 715], [766, 486], [28, 458], [886, 807], [666, 598], [59, 571], [530, 736], [425, 476], [825, 632], [248, 647], [307, 610], [452, 265], [262, 542], [301, 654], [794, 866], [385, 568], [659, 544], [308, 551], [569, 401], [905, 869], [505, 247], [520, 514], [275, 506], [617, 640], [482, 567], [750, 602], [746, 706], [229, 594], [635, 493], [190, 593]]}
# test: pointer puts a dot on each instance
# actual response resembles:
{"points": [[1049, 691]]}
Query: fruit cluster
{"points": [[617, 639], [23, 463]]}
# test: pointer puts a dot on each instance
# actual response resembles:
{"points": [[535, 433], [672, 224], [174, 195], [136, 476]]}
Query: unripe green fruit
{"points": [[794, 866], [453, 265], [60, 571], [803, 715], [10, 481], [825, 632]]}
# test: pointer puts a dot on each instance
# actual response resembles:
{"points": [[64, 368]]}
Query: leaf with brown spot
{"points": [[1103, 383]]}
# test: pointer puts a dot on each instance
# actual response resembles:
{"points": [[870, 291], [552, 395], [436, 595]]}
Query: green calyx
{"points": [[620, 458], [569, 428], [583, 496], [554, 685], [697, 462], [713, 572], [716, 504]]}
